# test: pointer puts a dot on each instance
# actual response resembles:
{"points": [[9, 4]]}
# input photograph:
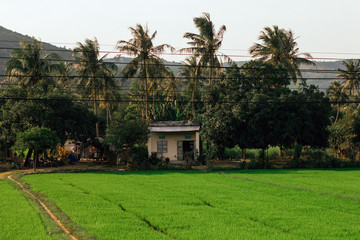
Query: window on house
{"points": [[188, 137], [162, 147]]}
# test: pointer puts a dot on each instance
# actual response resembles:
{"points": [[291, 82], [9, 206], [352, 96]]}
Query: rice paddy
{"points": [[261, 204]]}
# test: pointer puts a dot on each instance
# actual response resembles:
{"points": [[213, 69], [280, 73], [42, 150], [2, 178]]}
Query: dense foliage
{"points": [[253, 106]]}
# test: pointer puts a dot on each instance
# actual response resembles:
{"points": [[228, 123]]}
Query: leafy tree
{"points": [[351, 75], [221, 127], [255, 109], [30, 65], [279, 47], [206, 45], [36, 138], [336, 94], [193, 80], [95, 75], [128, 132], [340, 137], [146, 63], [28, 107], [262, 76]]}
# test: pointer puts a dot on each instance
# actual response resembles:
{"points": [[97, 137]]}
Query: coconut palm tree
{"points": [[191, 72], [30, 64], [146, 64], [336, 94], [351, 75], [94, 74], [279, 47], [109, 94], [206, 45]]}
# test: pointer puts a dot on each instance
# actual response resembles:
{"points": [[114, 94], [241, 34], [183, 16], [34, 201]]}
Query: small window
{"points": [[162, 146], [188, 137], [162, 137]]}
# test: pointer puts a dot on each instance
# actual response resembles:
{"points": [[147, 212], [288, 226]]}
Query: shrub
{"points": [[140, 157]]}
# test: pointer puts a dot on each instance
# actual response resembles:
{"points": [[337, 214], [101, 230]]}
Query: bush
{"points": [[253, 164], [233, 153], [140, 157], [333, 162]]}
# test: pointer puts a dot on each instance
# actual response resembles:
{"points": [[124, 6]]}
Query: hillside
{"points": [[10, 40]]}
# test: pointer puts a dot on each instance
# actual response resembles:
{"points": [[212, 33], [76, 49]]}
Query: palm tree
{"points": [[336, 94], [30, 65], [206, 45], [146, 64], [171, 87], [279, 47], [192, 77], [351, 75], [94, 74], [109, 93]]}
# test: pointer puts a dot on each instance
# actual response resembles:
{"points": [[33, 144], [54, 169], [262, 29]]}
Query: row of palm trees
{"points": [[30, 65]]}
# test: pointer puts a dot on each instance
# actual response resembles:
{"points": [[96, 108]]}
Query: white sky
{"points": [[325, 26]]}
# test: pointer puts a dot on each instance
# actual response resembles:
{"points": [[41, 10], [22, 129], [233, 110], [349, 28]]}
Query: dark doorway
{"points": [[188, 149]]}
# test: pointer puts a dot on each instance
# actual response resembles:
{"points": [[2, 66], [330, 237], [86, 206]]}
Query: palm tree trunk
{"points": [[154, 102], [97, 123], [36, 156], [192, 100], [146, 90], [337, 114], [95, 105], [108, 115]]}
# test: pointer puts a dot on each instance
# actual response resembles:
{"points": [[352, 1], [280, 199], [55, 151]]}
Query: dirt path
{"points": [[47, 210], [69, 168]]}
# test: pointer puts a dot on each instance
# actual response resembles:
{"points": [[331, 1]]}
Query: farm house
{"points": [[174, 140]]}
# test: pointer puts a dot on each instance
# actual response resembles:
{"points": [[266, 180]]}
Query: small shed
{"points": [[174, 139]]}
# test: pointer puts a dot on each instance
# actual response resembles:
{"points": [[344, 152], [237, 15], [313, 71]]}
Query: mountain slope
{"points": [[10, 40]]}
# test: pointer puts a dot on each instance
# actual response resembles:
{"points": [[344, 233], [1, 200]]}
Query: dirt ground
{"points": [[9, 169]]}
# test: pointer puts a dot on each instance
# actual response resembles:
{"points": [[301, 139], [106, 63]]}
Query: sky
{"points": [[327, 29]]}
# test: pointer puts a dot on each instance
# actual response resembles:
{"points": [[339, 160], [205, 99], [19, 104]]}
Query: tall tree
{"points": [[192, 78], [146, 63], [351, 75], [279, 47], [30, 64], [206, 45], [336, 94], [95, 75]]}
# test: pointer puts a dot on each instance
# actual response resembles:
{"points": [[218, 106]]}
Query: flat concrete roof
{"points": [[174, 126]]}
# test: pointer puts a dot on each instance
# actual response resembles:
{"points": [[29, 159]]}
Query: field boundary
{"points": [[47, 210]]}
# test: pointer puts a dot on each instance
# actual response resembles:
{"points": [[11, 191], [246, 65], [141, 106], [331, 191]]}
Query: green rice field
{"points": [[21, 218], [257, 204]]}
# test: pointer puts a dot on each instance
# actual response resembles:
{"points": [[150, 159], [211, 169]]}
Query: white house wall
{"points": [[172, 141]]}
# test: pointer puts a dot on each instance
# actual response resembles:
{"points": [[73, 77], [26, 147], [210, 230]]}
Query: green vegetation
{"points": [[279, 47], [253, 106], [21, 219], [262, 204]]}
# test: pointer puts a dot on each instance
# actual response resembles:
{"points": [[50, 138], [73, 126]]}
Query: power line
{"points": [[223, 49], [200, 66], [176, 53], [178, 101], [165, 77]]}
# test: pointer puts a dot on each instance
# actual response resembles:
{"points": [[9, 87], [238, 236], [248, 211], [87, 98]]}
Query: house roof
{"points": [[174, 126]]}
